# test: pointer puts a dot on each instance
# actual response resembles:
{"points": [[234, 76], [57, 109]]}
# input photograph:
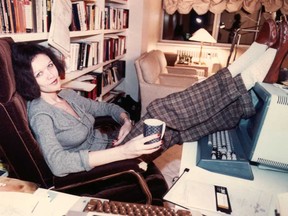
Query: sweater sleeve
{"points": [[95, 108], [60, 161]]}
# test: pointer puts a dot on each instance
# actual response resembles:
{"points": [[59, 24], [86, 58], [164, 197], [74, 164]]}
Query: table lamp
{"points": [[202, 35]]}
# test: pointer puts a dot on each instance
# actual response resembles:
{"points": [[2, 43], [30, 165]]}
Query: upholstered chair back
{"points": [[18, 149], [156, 81]]}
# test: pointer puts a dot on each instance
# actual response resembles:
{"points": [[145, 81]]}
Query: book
{"points": [[121, 67], [79, 14], [80, 63], [122, 44], [126, 18], [29, 19], [98, 18], [75, 25], [39, 16], [48, 13], [7, 16], [106, 17], [99, 84]]}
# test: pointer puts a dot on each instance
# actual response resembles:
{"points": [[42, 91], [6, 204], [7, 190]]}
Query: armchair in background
{"points": [[155, 81], [121, 181]]}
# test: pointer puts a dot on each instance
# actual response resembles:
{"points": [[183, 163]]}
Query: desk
{"points": [[268, 181]]}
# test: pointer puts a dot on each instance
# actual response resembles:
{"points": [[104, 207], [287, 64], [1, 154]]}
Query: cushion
{"points": [[150, 67], [7, 81]]}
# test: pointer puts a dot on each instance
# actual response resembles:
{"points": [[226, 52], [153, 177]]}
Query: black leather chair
{"points": [[122, 181]]}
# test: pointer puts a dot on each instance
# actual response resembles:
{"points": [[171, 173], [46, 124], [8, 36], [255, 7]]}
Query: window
{"points": [[222, 26]]}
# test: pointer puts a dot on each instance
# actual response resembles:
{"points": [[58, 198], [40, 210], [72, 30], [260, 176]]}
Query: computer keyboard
{"points": [[221, 152], [93, 206], [222, 146]]}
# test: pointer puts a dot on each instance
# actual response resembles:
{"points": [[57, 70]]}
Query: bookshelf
{"points": [[104, 27]]}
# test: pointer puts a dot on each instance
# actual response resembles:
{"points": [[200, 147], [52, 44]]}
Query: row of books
{"points": [[87, 15], [113, 96], [116, 18], [24, 16], [112, 74], [82, 55], [114, 45]]}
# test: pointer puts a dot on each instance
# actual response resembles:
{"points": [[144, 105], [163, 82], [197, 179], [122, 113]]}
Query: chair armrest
{"points": [[182, 70], [129, 167], [97, 172], [177, 80]]}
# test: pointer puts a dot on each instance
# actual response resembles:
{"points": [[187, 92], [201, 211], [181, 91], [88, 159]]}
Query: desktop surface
{"points": [[265, 187]]}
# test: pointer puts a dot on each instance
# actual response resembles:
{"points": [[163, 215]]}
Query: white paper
{"points": [[192, 194], [200, 196], [59, 34], [17, 203], [53, 203], [249, 201], [245, 201]]}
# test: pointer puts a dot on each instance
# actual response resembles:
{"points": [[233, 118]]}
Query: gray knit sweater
{"points": [[64, 139]]}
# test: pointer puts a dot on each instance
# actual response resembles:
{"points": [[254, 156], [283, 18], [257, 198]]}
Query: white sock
{"points": [[258, 70], [246, 59]]}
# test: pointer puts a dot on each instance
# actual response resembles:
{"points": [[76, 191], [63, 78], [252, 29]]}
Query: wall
{"points": [[134, 47], [144, 35]]}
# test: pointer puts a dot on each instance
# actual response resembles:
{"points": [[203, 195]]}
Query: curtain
{"points": [[218, 6]]}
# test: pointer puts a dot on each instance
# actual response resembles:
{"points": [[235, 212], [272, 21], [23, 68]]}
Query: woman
{"points": [[62, 121]]}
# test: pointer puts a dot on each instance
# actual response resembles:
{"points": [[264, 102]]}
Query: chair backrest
{"points": [[151, 68], [150, 65], [18, 148]]}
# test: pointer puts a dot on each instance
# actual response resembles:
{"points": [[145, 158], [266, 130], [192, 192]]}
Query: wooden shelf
{"points": [[21, 37], [117, 1]]}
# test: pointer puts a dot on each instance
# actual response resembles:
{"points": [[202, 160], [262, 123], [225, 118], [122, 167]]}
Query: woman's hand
{"points": [[137, 147], [132, 149], [123, 132]]}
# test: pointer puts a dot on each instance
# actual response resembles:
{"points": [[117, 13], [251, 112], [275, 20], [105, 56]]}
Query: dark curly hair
{"points": [[22, 55]]}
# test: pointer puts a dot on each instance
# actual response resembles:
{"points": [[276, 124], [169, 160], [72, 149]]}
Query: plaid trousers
{"points": [[217, 103]]}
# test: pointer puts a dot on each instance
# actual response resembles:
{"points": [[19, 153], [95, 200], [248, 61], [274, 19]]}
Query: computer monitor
{"points": [[264, 136]]}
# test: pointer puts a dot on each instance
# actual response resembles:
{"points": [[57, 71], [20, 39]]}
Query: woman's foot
{"points": [[267, 37]]}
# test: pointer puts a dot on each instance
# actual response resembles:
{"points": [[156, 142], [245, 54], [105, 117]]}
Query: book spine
{"points": [[76, 20], [28, 10], [39, 16]]}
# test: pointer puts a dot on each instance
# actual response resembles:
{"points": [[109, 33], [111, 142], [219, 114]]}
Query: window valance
{"points": [[218, 6]]}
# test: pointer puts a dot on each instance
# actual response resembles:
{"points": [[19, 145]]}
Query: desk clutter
{"points": [[53, 203], [209, 61], [106, 207]]}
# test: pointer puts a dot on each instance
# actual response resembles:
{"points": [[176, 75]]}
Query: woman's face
{"points": [[46, 74]]}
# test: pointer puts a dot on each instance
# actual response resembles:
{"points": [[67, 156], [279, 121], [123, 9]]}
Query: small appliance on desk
{"points": [[260, 140]]}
